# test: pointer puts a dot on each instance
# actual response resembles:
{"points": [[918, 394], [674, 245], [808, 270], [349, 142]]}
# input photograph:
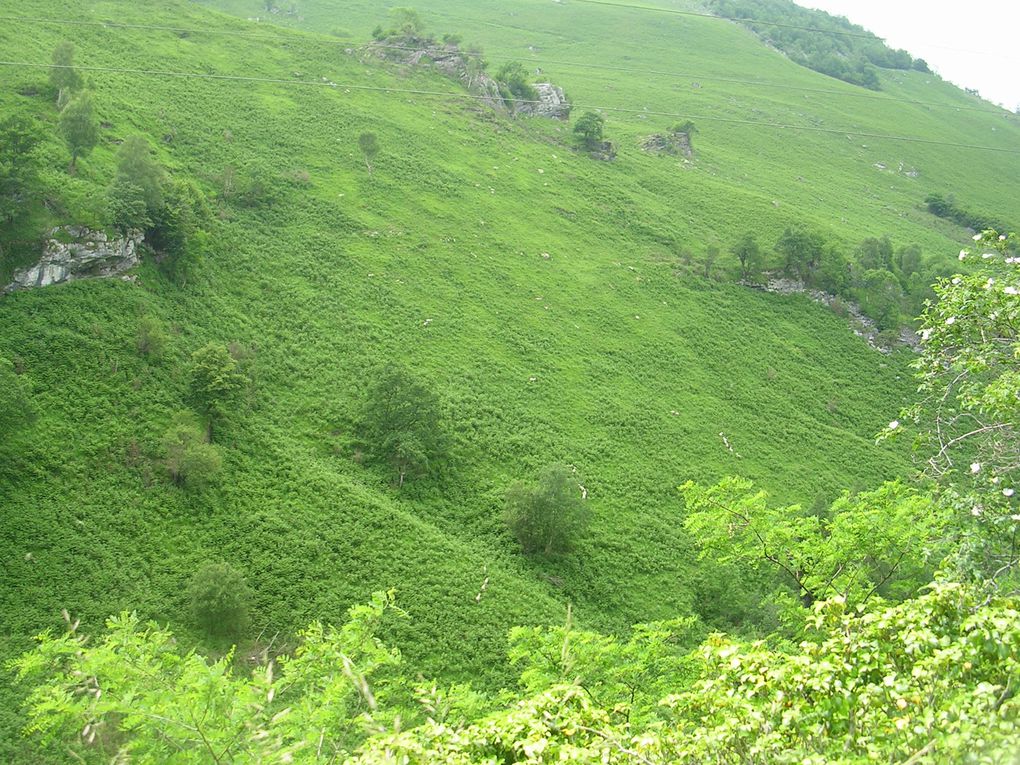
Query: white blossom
{"points": [[1007, 492], [951, 320], [976, 237], [1011, 290], [963, 254], [975, 467], [976, 511], [894, 424]]}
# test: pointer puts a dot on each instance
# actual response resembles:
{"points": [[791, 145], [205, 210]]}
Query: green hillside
{"points": [[555, 303]]}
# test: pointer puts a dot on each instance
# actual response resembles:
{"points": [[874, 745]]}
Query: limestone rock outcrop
{"points": [[76, 252]]}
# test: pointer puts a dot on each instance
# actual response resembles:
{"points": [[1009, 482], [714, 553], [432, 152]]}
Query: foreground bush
{"points": [[928, 681]]}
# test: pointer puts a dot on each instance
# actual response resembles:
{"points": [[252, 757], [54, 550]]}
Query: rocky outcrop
{"points": [[76, 252], [445, 58], [449, 60], [861, 325], [551, 103], [674, 142], [604, 151]]}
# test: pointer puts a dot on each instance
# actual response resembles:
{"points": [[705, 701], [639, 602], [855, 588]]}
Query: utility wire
{"points": [[506, 57], [474, 97]]}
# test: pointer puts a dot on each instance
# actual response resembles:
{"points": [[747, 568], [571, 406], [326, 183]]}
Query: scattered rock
{"points": [[76, 252]]}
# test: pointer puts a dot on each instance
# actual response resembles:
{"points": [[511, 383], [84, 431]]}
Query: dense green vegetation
{"points": [[341, 353], [828, 44]]}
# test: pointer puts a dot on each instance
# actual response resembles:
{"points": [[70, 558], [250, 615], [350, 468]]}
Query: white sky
{"points": [[971, 44]]}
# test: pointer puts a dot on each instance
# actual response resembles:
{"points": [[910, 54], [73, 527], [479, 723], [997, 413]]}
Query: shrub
{"points": [[513, 83], [549, 515], [151, 338], [219, 600], [191, 460], [589, 130]]}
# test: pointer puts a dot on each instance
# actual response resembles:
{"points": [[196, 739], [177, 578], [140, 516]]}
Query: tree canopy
{"points": [[80, 127], [589, 129], [548, 515], [216, 382], [402, 423]]}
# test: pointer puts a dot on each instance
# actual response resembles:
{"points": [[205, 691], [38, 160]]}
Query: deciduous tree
{"points": [[801, 251], [369, 145], [968, 416], [589, 129], [219, 600], [750, 256], [19, 137], [402, 423], [16, 408], [216, 381], [190, 459], [136, 166], [80, 128], [549, 515], [64, 78], [878, 542]]}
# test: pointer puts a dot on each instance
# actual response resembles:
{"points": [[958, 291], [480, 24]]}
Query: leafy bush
{"points": [[191, 460], [512, 78], [216, 381], [219, 600], [589, 130], [549, 515], [151, 338]]}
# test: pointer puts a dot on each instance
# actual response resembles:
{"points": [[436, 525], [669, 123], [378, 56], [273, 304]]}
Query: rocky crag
{"points": [[465, 67], [75, 252]]}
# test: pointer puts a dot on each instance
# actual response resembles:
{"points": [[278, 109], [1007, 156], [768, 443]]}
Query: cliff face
{"points": [[76, 252]]}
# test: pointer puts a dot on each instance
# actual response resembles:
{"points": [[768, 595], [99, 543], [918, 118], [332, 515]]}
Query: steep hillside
{"points": [[719, 75], [547, 297]]}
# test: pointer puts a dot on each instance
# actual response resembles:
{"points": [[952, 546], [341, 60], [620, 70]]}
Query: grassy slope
{"points": [[826, 178], [341, 273]]}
